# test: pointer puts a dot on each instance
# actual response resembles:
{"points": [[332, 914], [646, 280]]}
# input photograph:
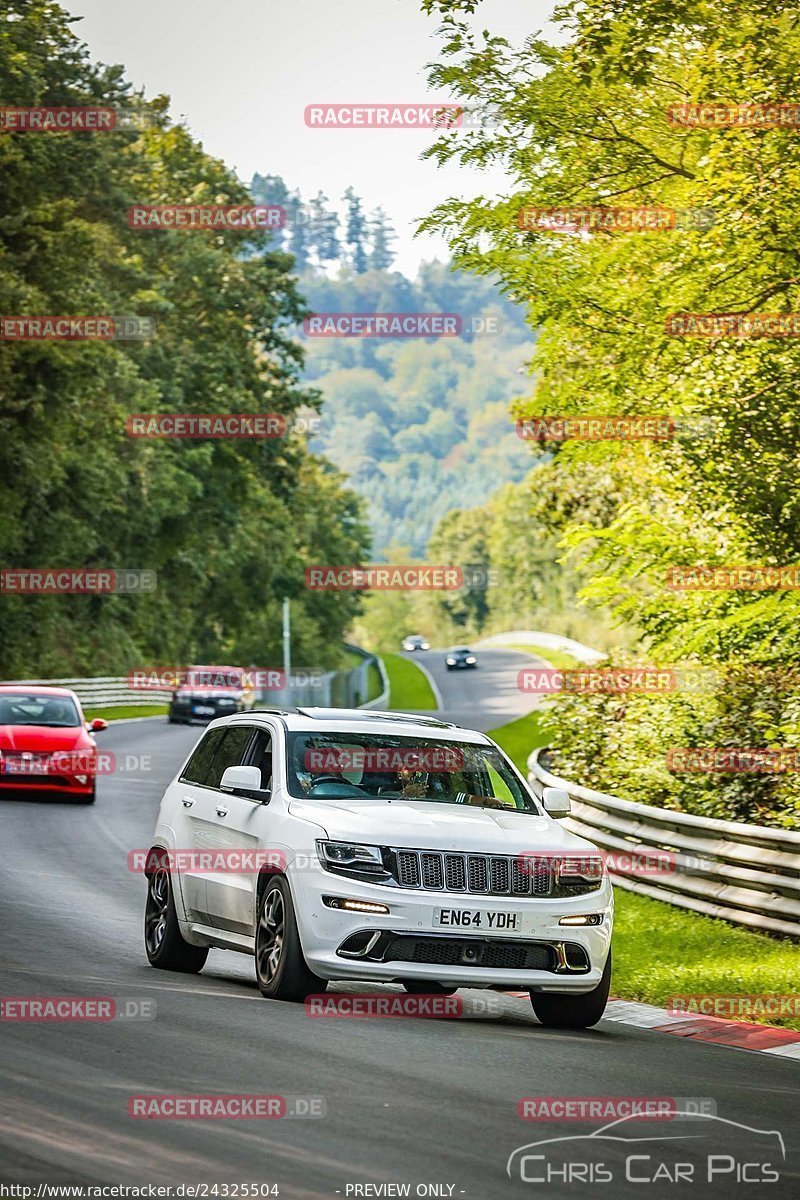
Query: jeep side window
{"points": [[260, 755], [230, 752], [199, 765]]}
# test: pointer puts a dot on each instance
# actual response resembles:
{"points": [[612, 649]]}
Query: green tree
{"points": [[324, 230], [227, 526], [297, 220], [584, 122], [381, 255], [356, 232]]}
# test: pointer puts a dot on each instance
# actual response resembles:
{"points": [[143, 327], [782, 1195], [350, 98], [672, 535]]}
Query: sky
{"points": [[241, 73]]}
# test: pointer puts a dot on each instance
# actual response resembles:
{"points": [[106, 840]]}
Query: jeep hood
{"points": [[420, 824]]}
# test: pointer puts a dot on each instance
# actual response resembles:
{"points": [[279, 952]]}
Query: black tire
{"points": [[421, 987], [573, 1012], [281, 969], [163, 942], [174, 720]]}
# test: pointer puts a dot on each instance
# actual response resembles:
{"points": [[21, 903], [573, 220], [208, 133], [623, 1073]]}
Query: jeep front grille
{"points": [[473, 874]]}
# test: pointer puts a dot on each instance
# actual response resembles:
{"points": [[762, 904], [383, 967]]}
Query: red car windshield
{"points": [[26, 708]]}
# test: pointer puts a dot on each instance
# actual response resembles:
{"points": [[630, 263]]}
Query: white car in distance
{"points": [[388, 847]]}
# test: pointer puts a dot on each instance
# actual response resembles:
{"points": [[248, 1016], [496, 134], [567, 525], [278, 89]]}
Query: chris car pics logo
{"points": [[693, 1147]]}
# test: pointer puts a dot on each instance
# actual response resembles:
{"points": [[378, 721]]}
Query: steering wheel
{"points": [[337, 779]]}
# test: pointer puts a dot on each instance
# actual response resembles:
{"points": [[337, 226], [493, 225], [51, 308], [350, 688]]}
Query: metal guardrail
{"points": [[747, 874], [381, 701], [543, 641], [335, 689], [104, 691], [340, 689]]}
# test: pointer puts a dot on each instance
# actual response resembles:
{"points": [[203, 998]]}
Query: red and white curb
{"points": [[743, 1035]]}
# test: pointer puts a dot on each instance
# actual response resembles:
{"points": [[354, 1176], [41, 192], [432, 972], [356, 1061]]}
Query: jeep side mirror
{"points": [[556, 801], [244, 781]]}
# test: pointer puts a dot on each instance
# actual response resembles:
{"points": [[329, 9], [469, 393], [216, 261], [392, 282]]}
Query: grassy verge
{"points": [[350, 659], [116, 712], [408, 686], [519, 737], [662, 952], [557, 658]]}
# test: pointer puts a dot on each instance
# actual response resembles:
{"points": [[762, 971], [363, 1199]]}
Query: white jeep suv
{"points": [[346, 844]]}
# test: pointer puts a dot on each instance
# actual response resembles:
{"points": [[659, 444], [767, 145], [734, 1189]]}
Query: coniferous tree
{"points": [[356, 232], [324, 230], [297, 226], [381, 254]]}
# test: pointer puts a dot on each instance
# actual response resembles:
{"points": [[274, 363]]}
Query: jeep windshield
{"points": [[350, 765]]}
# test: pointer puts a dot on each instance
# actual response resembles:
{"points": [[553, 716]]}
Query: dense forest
{"points": [[591, 122], [227, 526], [420, 426]]}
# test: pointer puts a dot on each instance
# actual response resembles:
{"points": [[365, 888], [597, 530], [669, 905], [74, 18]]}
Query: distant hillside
{"points": [[420, 425]]}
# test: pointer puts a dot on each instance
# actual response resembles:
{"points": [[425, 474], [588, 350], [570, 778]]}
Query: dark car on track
{"points": [[461, 658], [208, 692]]}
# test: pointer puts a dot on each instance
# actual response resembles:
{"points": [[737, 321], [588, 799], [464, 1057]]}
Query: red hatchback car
{"points": [[45, 743]]}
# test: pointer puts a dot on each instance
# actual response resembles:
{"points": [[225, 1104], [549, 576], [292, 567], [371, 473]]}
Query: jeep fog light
{"points": [[362, 906]]}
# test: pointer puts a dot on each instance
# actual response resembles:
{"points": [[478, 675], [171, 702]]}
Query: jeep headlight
{"points": [[580, 872], [352, 858]]}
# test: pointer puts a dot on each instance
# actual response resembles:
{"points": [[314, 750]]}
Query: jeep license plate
{"points": [[476, 918]]}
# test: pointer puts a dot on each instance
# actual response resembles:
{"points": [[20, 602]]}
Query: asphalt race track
{"points": [[431, 1101]]}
